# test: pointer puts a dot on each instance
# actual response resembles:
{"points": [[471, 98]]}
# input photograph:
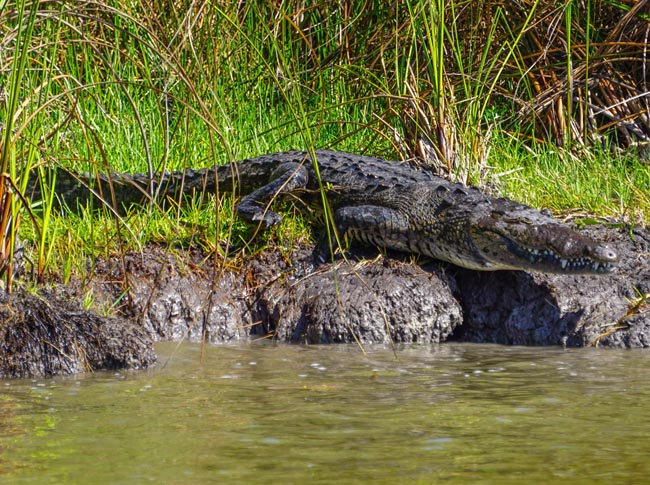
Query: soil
{"points": [[50, 334], [181, 295]]}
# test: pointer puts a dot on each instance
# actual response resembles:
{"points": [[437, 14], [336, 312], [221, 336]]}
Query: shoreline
{"points": [[179, 295]]}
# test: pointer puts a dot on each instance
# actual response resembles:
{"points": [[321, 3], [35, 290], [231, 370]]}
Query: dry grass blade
{"points": [[588, 82], [637, 306]]}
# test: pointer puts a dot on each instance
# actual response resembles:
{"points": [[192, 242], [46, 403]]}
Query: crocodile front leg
{"points": [[254, 208], [371, 225]]}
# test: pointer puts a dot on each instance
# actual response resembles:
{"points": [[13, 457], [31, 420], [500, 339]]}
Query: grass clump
{"points": [[591, 183]]}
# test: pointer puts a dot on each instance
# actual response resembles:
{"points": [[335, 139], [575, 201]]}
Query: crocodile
{"points": [[392, 205]]}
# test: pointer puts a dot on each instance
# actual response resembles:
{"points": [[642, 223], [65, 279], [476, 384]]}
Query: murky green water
{"points": [[290, 414]]}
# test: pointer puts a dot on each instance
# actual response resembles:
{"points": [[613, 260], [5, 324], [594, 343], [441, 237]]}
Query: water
{"points": [[327, 414]]}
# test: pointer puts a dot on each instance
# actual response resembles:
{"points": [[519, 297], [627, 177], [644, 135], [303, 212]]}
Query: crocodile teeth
{"points": [[548, 259], [602, 267]]}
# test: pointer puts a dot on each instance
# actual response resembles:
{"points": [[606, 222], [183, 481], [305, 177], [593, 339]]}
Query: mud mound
{"points": [[368, 302], [518, 308], [179, 296], [50, 334], [283, 296]]}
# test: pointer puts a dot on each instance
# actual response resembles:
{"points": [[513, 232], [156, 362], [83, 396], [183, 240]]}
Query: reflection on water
{"points": [[280, 413]]}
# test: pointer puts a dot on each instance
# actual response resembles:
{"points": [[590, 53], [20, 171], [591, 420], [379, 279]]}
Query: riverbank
{"points": [[180, 295]]}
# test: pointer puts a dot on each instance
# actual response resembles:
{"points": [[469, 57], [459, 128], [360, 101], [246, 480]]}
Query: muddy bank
{"points": [[386, 298], [541, 309], [181, 295], [51, 334]]}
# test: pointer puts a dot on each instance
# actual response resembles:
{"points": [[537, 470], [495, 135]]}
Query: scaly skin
{"points": [[387, 204]]}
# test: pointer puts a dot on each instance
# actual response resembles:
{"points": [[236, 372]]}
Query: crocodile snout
{"points": [[605, 253]]}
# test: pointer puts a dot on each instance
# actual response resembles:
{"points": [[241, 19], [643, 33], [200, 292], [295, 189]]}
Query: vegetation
{"points": [[542, 102]]}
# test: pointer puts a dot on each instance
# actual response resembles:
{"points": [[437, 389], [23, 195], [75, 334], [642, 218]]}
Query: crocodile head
{"points": [[525, 239]]}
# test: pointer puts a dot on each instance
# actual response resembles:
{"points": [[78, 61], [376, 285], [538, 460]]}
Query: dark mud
{"points": [[51, 334], [181, 295], [387, 299], [542, 309], [282, 297]]}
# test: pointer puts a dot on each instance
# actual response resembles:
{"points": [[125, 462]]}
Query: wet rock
{"points": [[49, 334]]}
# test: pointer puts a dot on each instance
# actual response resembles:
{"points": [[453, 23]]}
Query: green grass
{"points": [[118, 89], [594, 183]]}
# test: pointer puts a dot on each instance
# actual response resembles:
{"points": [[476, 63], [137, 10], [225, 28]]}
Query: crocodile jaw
{"points": [[538, 245]]}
